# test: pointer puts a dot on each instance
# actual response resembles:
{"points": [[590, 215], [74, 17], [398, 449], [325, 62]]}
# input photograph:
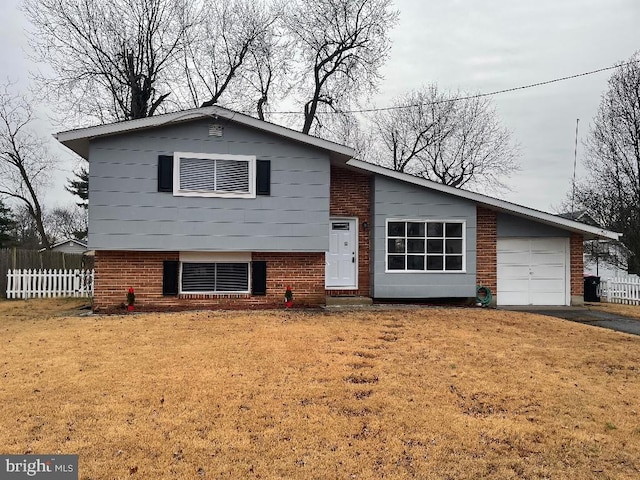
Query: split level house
{"points": [[211, 208]]}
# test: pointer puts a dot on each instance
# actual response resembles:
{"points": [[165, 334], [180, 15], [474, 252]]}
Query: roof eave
{"points": [[78, 140], [493, 203]]}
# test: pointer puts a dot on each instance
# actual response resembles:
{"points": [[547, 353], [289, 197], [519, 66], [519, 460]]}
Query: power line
{"points": [[477, 95]]}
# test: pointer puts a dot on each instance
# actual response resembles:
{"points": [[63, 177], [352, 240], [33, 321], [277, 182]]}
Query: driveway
{"points": [[586, 316]]}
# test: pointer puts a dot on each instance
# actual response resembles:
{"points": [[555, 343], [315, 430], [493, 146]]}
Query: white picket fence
{"points": [[621, 290], [49, 283]]}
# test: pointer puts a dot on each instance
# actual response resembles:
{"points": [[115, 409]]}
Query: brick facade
{"points": [[304, 272], [486, 254], [116, 271], [351, 197], [576, 248]]}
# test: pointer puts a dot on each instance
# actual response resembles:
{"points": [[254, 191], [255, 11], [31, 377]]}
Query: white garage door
{"points": [[533, 271]]}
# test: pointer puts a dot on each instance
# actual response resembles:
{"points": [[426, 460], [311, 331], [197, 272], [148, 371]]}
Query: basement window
{"points": [[219, 277], [425, 246], [214, 175], [215, 272]]}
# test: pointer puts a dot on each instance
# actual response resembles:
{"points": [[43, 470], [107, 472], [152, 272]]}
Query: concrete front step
{"points": [[348, 301]]}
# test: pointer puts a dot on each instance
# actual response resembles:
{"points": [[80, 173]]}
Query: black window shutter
{"points": [[165, 173], [259, 278], [170, 277], [263, 177]]}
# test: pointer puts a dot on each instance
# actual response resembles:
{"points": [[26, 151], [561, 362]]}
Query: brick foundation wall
{"points": [[116, 271], [486, 263], [576, 248], [303, 272], [351, 197]]}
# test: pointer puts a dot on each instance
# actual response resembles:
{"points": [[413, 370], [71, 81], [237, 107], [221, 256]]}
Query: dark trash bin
{"points": [[591, 285]]}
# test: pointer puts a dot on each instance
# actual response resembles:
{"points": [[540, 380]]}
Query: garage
{"points": [[533, 271]]}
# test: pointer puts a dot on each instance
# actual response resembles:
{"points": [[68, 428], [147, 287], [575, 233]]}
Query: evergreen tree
{"points": [[7, 226], [80, 186]]}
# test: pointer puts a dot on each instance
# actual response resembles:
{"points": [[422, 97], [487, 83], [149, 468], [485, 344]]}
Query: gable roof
{"points": [[581, 216], [78, 140], [64, 242], [588, 231]]}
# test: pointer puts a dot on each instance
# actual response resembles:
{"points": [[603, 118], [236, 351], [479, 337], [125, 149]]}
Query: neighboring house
{"points": [[582, 216], [68, 246], [211, 208], [604, 258]]}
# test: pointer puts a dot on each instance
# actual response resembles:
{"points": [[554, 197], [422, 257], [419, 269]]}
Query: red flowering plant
{"points": [[131, 297], [288, 297]]}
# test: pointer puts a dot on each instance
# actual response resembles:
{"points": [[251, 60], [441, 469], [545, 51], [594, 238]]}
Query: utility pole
{"points": [[575, 159]]}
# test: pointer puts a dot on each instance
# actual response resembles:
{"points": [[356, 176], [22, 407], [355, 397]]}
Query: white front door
{"points": [[342, 257], [533, 271]]}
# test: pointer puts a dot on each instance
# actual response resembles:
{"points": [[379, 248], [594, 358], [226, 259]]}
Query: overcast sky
{"points": [[490, 45], [478, 46]]}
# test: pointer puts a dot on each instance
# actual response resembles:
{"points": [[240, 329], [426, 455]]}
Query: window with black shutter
{"points": [[170, 277], [165, 173], [214, 175], [259, 278], [263, 177]]}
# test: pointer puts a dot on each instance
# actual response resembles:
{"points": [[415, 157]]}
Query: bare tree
{"points": [[263, 75], [108, 59], [266, 80], [123, 59], [611, 252], [414, 123], [67, 223], [26, 232], [611, 189], [341, 45], [449, 138], [25, 163], [217, 52]]}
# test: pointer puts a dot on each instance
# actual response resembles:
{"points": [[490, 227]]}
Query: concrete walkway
{"points": [[586, 316]]}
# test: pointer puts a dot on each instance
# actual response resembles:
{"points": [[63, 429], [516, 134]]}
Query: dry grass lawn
{"points": [[632, 311], [415, 393]]}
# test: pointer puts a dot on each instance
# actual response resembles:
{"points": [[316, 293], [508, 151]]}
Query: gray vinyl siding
{"points": [[126, 212], [399, 200], [512, 226]]}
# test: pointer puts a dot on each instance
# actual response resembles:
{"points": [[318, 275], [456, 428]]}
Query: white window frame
{"points": [[215, 257], [425, 221], [250, 159]]}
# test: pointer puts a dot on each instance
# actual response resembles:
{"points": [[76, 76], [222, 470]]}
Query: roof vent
{"points": [[215, 130]]}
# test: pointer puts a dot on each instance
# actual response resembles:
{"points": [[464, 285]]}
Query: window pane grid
{"points": [[425, 246]]}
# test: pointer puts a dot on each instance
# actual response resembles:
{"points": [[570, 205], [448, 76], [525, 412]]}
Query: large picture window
{"points": [[419, 246], [214, 175], [219, 277]]}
